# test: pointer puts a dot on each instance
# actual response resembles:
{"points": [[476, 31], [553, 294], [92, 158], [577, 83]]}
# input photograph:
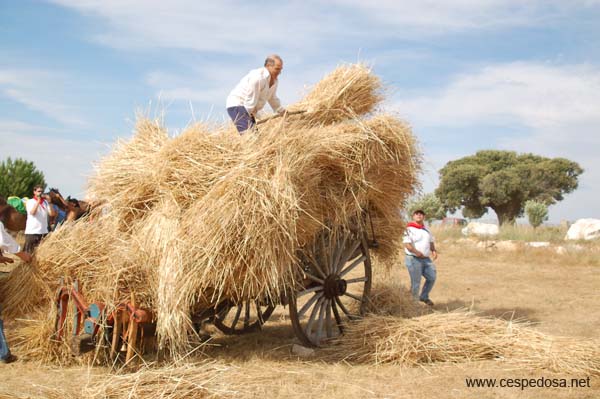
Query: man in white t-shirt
{"points": [[419, 248], [9, 245], [38, 210], [251, 94]]}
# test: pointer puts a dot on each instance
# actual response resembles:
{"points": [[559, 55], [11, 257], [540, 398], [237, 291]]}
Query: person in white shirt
{"points": [[8, 244], [419, 248], [251, 94], [36, 227]]}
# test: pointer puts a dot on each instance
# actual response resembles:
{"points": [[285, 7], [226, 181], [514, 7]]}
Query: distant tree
{"points": [[537, 212], [430, 204], [18, 178], [504, 181]]}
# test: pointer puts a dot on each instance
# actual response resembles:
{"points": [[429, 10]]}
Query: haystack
{"points": [[210, 215]]}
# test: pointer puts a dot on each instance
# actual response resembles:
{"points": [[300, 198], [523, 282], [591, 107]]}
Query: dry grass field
{"points": [[559, 294]]}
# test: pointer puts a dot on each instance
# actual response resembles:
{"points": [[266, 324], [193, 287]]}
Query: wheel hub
{"points": [[334, 286]]}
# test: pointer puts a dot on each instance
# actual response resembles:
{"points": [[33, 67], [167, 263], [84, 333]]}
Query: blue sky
{"points": [[467, 74]]}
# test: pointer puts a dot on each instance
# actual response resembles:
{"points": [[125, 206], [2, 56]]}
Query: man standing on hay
{"points": [[251, 94], [420, 249], [8, 244]]}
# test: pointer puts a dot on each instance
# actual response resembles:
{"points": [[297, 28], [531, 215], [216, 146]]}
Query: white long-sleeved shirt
{"points": [[7, 243], [253, 92]]}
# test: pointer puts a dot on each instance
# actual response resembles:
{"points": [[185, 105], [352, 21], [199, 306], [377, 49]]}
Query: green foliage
{"points": [[504, 181], [430, 204], [537, 212], [18, 178]]}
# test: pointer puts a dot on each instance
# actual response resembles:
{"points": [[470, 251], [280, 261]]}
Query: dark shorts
{"points": [[32, 241], [241, 118]]}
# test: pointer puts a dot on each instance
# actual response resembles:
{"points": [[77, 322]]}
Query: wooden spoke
{"points": [[309, 290], [324, 256], [316, 266], [238, 312], [249, 316], [309, 303], [344, 309], [351, 249], [336, 314], [338, 252], [320, 321], [313, 314], [314, 278], [353, 265], [259, 313], [328, 319], [356, 280], [353, 296]]}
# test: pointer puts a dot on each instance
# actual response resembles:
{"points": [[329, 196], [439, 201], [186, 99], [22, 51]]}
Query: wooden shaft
{"points": [[132, 338], [275, 116]]}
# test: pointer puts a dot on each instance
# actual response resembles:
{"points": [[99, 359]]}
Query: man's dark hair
{"points": [[419, 211], [38, 186], [271, 59]]}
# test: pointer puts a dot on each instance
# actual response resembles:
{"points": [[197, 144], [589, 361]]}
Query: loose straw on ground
{"points": [[460, 337]]}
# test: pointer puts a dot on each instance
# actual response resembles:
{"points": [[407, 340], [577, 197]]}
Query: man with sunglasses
{"points": [[38, 210], [251, 94]]}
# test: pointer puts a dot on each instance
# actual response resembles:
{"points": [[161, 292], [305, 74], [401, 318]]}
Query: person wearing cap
{"points": [[251, 94], [9, 245], [419, 248]]}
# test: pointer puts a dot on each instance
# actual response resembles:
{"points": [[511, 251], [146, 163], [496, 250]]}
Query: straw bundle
{"points": [[347, 92], [31, 339], [23, 291], [99, 256], [458, 337], [126, 179], [190, 164]]}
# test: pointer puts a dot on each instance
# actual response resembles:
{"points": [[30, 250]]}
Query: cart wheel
{"points": [[337, 284], [246, 317]]}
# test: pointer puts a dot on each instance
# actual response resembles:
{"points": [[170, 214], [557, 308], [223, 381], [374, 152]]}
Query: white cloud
{"points": [[434, 17], [237, 27], [558, 106], [536, 95], [40, 91]]}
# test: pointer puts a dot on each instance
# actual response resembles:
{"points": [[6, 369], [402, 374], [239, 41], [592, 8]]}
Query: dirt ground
{"points": [[559, 294]]}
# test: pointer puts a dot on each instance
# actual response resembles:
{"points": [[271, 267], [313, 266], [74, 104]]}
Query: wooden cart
{"points": [[334, 288]]}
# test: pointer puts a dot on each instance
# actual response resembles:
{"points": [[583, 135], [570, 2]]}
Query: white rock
{"points": [[507, 245], [561, 250], [302, 351], [480, 229], [584, 229], [538, 244]]}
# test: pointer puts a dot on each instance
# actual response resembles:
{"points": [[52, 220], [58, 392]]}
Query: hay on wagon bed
{"points": [[210, 215], [459, 337]]}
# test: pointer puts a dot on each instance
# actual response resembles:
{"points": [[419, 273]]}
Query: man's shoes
{"points": [[9, 359], [427, 301]]}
